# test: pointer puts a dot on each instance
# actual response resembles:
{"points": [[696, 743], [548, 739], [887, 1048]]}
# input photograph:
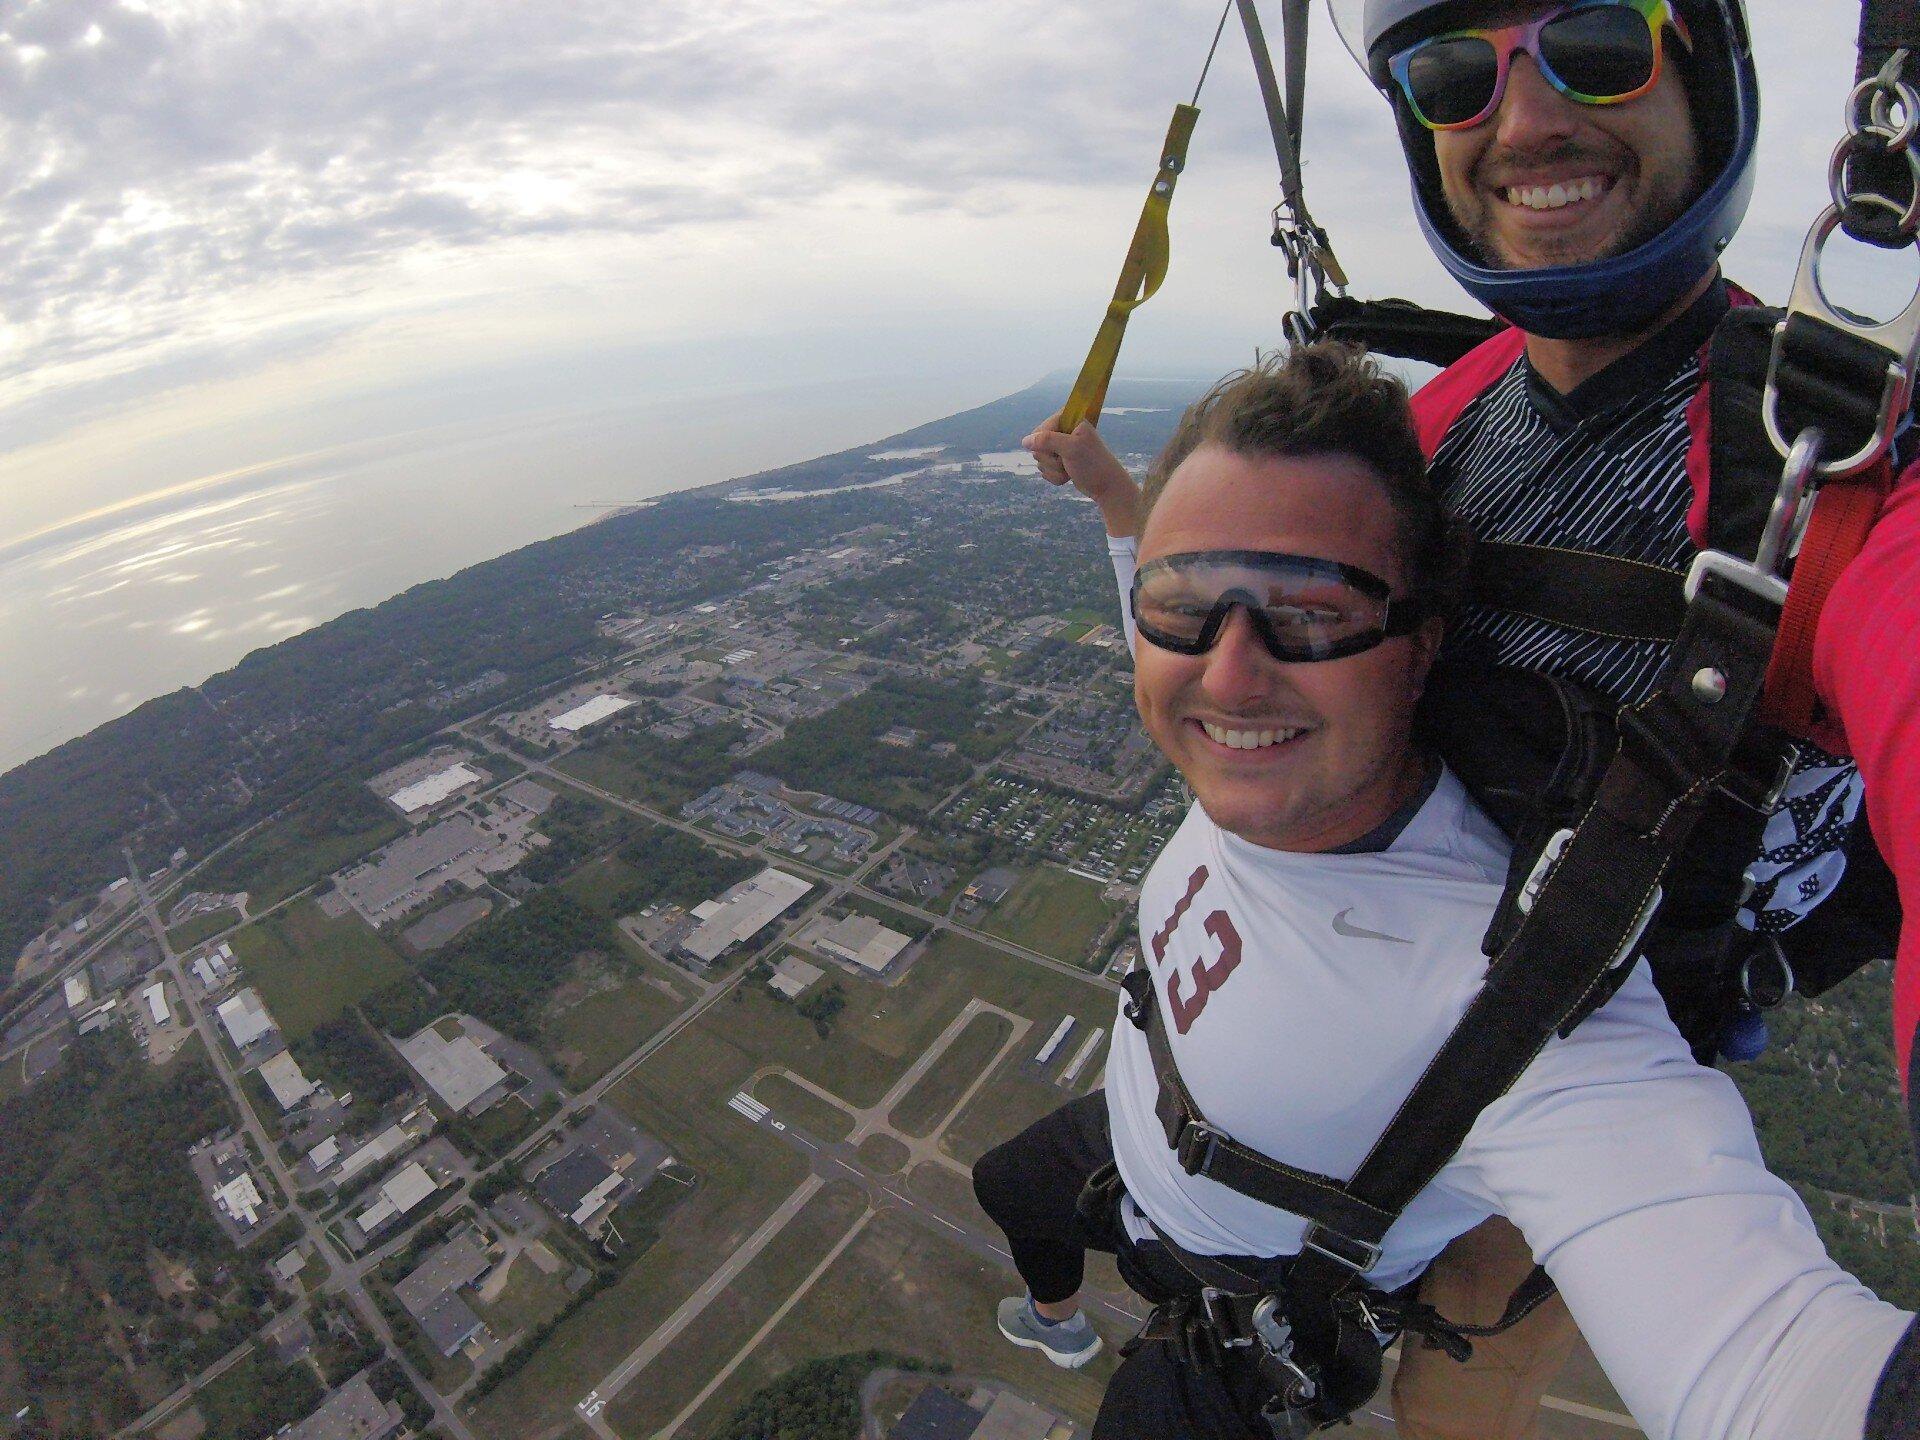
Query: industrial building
{"points": [[588, 713], [1054, 1042], [156, 997], [240, 1199], [245, 1018], [581, 1187], [399, 1193], [466, 1079], [429, 1295], [79, 991], [860, 940], [410, 870], [285, 1080], [743, 912], [441, 785], [353, 1412], [792, 976]]}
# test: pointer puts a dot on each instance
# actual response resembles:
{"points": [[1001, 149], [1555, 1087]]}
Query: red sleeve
{"points": [[1866, 668], [1438, 403]]}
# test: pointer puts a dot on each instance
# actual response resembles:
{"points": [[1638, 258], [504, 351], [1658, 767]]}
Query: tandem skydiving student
{"points": [[1578, 168], [1311, 936]]}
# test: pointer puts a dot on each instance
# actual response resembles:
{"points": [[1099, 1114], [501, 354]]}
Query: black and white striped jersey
{"points": [[1604, 469]]}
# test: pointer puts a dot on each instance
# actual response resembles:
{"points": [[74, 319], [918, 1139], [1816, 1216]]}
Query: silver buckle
{"points": [[1357, 1255], [1779, 537], [1900, 337], [1213, 1303]]}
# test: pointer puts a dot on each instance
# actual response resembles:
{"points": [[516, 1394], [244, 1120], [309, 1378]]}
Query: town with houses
{"points": [[608, 1062], [896, 898]]}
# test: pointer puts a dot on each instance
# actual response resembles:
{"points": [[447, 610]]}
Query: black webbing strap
{"points": [[1567, 955], [1402, 328], [1580, 590], [1208, 1152], [1886, 26], [1577, 941]]}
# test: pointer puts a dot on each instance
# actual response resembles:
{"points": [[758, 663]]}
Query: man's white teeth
{"points": [[1553, 197], [1246, 739]]}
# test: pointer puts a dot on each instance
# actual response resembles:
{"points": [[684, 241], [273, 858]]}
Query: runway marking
{"points": [[745, 1107]]}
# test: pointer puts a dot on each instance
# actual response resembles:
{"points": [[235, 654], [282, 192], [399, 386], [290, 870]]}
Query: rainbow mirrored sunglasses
{"points": [[1599, 52]]}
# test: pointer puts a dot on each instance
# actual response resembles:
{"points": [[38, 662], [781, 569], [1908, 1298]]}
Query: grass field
{"points": [[698, 1353], [884, 1029], [803, 1108], [309, 969], [679, 1095], [531, 1297], [1053, 912], [899, 1286], [1005, 1105], [588, 1038], [189, 933], [927, 1103], [883, 1154]]}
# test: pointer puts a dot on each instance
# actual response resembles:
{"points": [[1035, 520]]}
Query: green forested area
{"points": [[351, 1059], [676, 869], [503, 969], [838, 753], [95, 1184], [819, 1400]]}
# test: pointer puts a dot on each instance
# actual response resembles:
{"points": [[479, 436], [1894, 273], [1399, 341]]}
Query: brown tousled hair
{"points": [[1331, 399]]}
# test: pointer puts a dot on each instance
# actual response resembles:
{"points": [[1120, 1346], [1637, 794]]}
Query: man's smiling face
{"points": [[1293, 756], [1546, 180]]}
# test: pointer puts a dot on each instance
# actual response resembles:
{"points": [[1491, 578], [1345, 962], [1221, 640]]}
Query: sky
{"points": [[246, 242]]}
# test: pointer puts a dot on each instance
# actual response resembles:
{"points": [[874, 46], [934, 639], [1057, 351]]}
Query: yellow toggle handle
{"points": [[1140, 276]]}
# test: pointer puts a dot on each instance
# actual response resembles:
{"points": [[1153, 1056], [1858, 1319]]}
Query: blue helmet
{"points": [[1624, 293]]}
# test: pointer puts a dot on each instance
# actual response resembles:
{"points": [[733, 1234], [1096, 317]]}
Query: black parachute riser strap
{"points": [[1281, 121], [1402, 328], [1560, 963]]}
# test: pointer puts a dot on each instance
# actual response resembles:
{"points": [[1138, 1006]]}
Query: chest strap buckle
{"points": [[1197, 1144], [1357, 1255]]}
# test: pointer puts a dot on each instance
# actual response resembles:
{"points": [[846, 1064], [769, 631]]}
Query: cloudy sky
{"points": [[248, 237]]}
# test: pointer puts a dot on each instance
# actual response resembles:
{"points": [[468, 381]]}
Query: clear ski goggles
{"points": [[1599, 52], [1301, 607]]}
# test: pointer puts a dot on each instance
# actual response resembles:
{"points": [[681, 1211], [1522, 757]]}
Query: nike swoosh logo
{"points": [[1359, 932]]}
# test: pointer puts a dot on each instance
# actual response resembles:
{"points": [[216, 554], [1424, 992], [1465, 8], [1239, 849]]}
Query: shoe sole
{"points": [[1064, 1360]]}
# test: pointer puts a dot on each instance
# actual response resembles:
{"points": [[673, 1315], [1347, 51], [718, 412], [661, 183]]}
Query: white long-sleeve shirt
{"points": [[1696, 1275], [1303, 995]]}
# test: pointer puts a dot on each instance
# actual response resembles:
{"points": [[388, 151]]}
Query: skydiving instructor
{"points": [[1578, 168]]}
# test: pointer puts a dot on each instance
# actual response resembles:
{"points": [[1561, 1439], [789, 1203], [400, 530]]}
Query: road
{"points": [[346, 1275]]}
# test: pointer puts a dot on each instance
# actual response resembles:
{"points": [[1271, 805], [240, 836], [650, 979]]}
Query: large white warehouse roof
{"points": [[435, 788], [592, 712]]}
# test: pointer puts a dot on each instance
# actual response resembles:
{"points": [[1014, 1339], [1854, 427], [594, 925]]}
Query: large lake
{"points": [[99, 616]]}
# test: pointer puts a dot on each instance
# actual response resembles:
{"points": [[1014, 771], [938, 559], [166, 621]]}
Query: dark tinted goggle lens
{"points": [[1599, 51], [1452, 80], [1303, 608]]}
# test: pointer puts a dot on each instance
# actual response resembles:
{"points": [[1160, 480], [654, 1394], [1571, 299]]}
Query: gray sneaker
{"points": [[1068, 1344]]}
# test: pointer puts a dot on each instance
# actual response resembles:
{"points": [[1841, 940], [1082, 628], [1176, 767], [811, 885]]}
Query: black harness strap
{"points": [[1400, 327], [1580, 590]]}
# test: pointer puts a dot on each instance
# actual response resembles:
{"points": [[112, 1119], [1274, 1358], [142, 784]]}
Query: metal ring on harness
{"points": [[1870, 109], [1899, 337], [1875, 143], [1768, 996]]}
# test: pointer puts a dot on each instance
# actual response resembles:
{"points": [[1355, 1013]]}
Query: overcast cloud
{"points": [[201, 195]]}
